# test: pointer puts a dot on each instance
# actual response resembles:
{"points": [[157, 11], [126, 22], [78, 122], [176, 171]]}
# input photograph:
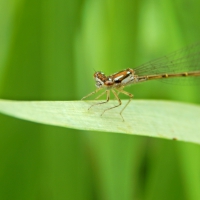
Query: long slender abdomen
{"points": [[162, 76]]}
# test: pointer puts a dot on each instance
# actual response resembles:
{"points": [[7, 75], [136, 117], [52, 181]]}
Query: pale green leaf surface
{"points": [[162, 119]]}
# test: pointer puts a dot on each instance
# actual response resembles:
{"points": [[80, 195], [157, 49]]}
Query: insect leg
{"points": [[107, 99], [118, 92], [128, 94], [118, 99], [101, 94], [92, 93]]}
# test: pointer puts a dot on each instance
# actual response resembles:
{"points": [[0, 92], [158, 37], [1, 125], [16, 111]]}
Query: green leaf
{"points": [[162, 119]]}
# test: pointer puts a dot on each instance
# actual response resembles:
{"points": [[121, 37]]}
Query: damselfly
{"points": [[174, 67]]}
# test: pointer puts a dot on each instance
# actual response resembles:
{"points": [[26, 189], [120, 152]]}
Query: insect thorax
{"points": [[119, 79]]}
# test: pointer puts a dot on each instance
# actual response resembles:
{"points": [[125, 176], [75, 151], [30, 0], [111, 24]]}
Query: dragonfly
{"points": [[176, 67]]}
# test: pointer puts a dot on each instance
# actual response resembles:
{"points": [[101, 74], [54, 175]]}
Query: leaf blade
{"points": [[162, 119]]}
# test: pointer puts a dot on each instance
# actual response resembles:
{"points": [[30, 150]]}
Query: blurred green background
{"points": [[48, 50]]}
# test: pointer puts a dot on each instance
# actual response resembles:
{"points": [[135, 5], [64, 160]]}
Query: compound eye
{"points": [[99, 83]]}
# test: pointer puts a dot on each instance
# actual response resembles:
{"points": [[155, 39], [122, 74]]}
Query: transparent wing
{"points": [[184, 60]]}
